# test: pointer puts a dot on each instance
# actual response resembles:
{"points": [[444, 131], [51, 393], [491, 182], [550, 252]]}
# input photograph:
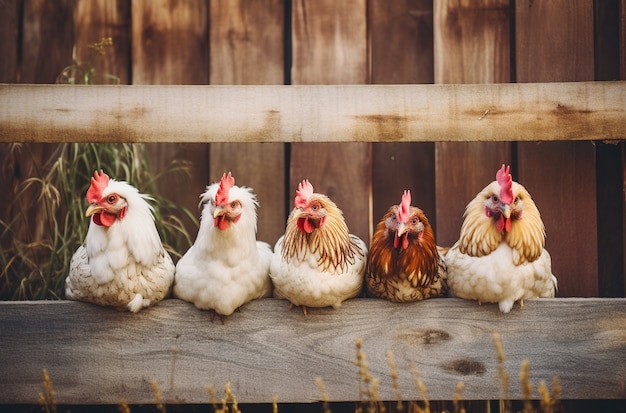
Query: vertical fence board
{"points": [[94, 20], [609, 167], [9, 31], [401, 50], [554, 42], [170, 46], [330, 47], [246, 45], [471, 46], [47, 40]]}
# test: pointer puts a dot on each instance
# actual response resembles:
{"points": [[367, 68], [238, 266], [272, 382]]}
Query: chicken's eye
{"points": [[516, 199], [111, 199], [394, 217], [494, 198], [315, 207], [415, 221], [234, 204]]}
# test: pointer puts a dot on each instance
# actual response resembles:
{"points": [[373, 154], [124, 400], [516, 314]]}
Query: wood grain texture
{"points": [[47, 40], [554, 40], [246, 48], [463, 169], [561, 176], [472, 41], [94, 20], [347, 113], [330, 47], [401, 49], [265, 350], [170, 47], [471, 46], [9, 32], [329, 42]]}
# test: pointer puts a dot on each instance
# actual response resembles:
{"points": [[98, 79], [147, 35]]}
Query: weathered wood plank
{"points": [[47, 40], [471, 46], [495, 112], [401, 49], [246, 48], [555, 43], [169, 47], [94, 20], [9, 34], [99, 355], [330, 47]]}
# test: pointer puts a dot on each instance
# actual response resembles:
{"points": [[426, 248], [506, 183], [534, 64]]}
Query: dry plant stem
{"points": [[505, 403], [394, 380], [458, 408], [123, 407], [323, 394], [527, 388], [157, 397], [48, 400], [422, 388]]}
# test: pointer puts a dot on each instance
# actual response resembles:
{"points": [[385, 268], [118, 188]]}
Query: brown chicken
{"points": [[404, 263]]}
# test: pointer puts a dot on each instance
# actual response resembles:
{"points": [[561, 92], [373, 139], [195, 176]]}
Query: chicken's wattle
{"points": [[221, 222], [104, 219], [503, 224], [405, 241]]}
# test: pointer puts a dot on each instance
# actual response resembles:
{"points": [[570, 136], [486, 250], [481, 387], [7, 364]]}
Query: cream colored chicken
{"points": [[122, 262], [226, 267], [500, 255], [317, 262]]}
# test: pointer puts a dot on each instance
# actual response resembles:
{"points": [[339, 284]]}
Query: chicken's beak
{"points": [[506, 211], [402, 228], [219, 211], [93, 209]]}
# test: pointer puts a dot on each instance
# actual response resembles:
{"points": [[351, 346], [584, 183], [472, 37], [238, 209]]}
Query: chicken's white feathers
{"points": [[225, 268], [123, 265]]}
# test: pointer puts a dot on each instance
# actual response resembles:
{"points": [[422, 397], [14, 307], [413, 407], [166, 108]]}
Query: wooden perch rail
{"points": [[365, 113], [99, 355]]}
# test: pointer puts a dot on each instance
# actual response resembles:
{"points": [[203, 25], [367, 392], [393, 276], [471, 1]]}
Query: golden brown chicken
{"points": [[500, 255], [317, 263], [403, 262]]}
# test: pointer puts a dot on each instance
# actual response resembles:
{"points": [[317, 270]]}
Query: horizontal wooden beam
{"points": [[371, 113], [99, 355]]}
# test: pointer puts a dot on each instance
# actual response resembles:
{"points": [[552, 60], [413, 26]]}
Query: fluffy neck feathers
{"points": [[331, 242], [480, 236]]}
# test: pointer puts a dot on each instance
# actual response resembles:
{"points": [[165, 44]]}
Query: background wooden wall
{"points": [[578, 186]]}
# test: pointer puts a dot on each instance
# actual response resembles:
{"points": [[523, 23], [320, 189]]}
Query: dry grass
{"points": [[44, 220], [369, 400]]}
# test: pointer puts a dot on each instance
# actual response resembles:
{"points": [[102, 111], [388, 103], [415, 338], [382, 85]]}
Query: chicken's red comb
{"points": [[405, 206], [304, 191], [506, 184], [227, 182], [98, 183]]}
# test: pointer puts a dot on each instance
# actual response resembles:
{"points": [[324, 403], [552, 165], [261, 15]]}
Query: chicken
{"points": [[500, 255], [122, 262], [403, 262], [317, 262], [226, 266]]}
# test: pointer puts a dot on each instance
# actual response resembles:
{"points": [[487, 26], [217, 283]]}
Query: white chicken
{"points": [[500, 255], [122, 262], [317, 262], [226, 267]]}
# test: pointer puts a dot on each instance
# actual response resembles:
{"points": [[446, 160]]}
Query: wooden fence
{"points": [[273, 42], [442, 142]]}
